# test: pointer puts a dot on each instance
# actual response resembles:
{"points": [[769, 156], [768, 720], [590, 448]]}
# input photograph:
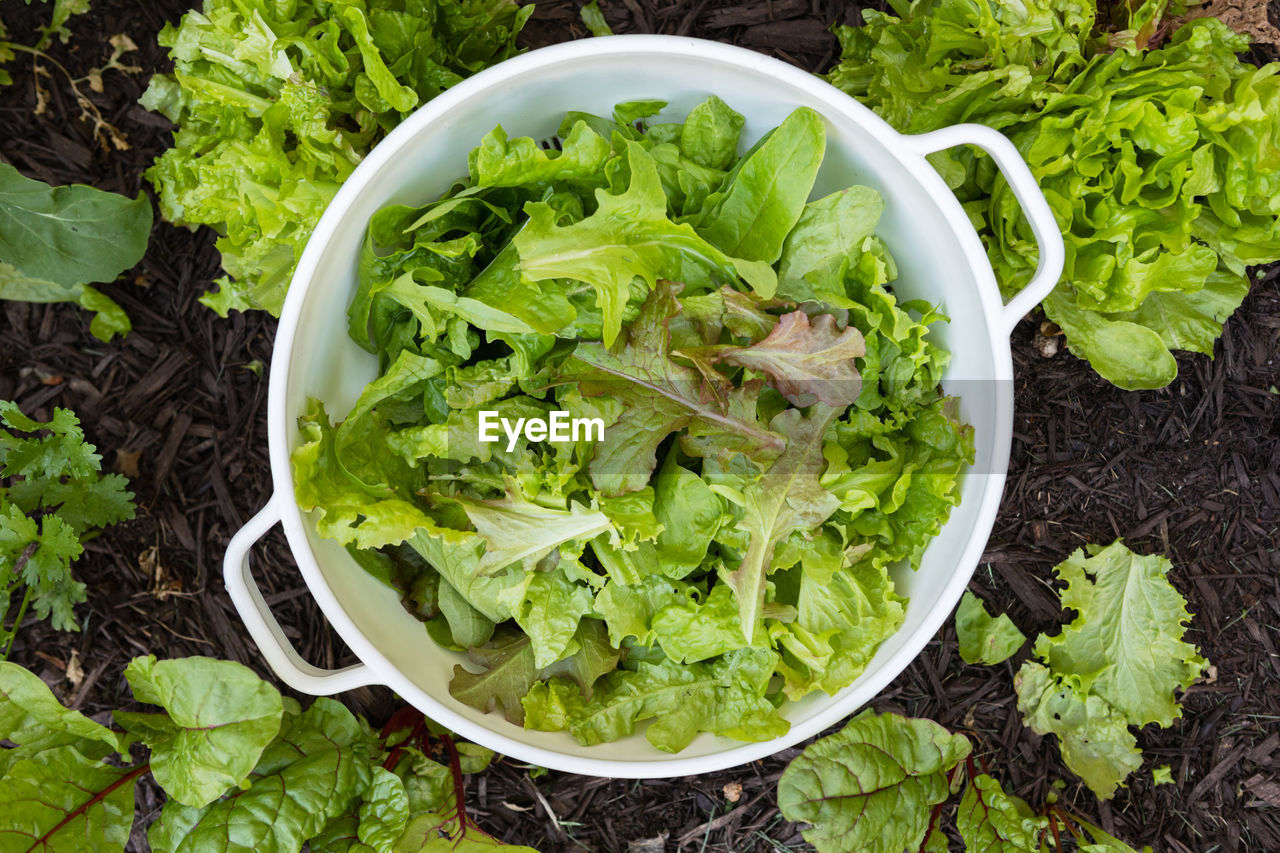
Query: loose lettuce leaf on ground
{"points": [[276, 104], [55, 241], [1157, 155], [1125, 644], [1095, 741], [985, 638], [872, 785]]}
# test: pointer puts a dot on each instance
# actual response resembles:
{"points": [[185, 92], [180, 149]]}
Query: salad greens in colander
{"points": [[773, 436]]}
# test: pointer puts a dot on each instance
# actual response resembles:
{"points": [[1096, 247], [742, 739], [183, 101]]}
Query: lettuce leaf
{"points": [[1159, 158]]}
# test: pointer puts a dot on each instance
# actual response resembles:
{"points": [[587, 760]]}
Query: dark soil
{"points": [[179, 405]]}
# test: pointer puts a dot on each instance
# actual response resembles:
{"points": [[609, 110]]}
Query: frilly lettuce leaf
{"points": [[1158, 158]]}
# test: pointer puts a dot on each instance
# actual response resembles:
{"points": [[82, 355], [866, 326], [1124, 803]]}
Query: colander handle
{"points": [[266, 631], [1026, 190]]}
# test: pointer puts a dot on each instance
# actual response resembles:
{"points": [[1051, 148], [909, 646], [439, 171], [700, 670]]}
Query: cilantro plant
{"points": [[244, 769], [55, 241], [276, 104], [52, 497], [884, 783], [775, 436], [1159, 158]]}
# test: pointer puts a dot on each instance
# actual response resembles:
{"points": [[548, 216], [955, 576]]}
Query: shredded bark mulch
{"points": [[1191, 471]]}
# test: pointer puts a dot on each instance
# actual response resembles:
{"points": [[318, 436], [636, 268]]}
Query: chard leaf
{"points": [[766, 193], [871, 786], [628, 236], [983, 638], [992, 821], [807, 362], [59, 801], [309, 775], [220, 717], [35, 721]]}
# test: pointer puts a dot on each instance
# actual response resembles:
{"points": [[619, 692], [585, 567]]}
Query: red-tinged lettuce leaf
{"points": [[807, 362], [991, 821], [507, 672], [785, 499], [310, 775], [871, 786], [628, 236], [33, 720], [59, 801], [660, 395], [219, 718]]}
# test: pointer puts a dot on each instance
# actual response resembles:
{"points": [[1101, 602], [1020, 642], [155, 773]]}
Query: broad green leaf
{"points": [[33, 719], [1125, 644], [548, 610], [219, 718], [709, 135], [384, 812], [1095, 741], [59, 801], [766, 193], [871, 786], [503, 162], [515, 530], [56, 240], [983, 638], [830, 233], [991, 821], [308, 776]]}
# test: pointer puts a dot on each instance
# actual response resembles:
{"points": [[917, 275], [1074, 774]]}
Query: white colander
{"points": [[940, 259]]}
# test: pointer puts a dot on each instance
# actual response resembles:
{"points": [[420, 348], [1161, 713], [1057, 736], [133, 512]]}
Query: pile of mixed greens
{"points": [[775, 436], [1161, 161]]}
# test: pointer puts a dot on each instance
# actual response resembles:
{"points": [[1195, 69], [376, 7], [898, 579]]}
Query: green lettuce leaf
{"points": [[628, 236]]}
